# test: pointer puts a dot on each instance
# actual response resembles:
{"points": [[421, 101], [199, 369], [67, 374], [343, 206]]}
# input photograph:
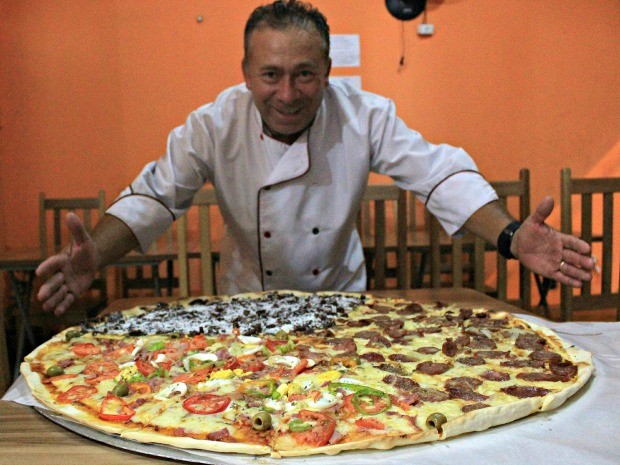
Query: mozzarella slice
{"points": [[175, 389], [201, 357]]}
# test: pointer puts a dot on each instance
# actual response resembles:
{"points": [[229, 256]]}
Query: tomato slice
{"points": [[76, 394], [140, 387], [100, 368], [369, 423], [231, 364], [198, 342], [114, 408], [348, 405], [58, 378], [205, 404], [170, 353], [194, 377], [144, 368], [273, 344], [323, 428], [117, 353], [301, 366], [85, 348]]}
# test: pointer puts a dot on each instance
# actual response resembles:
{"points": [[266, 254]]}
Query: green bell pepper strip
{"points": [[358, 402], [263, 389], [157, 345], [297, 426], [362, 391]]}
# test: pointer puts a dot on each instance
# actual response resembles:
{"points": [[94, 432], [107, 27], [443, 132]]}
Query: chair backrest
{"points": [[203, 200], [585, 190], [382, 234], [476, 248], [84, 207]]}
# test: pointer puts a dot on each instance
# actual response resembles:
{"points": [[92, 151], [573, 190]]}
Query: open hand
{"points": [[550, 253], [70, 273]]}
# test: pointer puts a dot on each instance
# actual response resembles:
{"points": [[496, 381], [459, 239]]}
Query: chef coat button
{"points": [[315, 230], [267, 234], [315, 272], [268, 272]]}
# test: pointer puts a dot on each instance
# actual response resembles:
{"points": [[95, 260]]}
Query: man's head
{"points": [[286, 65]]}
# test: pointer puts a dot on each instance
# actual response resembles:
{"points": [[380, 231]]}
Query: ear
{"points": [[246, 76]]}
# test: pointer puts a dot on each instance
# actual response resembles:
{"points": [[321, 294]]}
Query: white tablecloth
{"points": [[583, 431]]}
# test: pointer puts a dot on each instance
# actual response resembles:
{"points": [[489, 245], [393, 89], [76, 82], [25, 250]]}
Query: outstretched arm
{"points": [[540, 248], [70, 273]]}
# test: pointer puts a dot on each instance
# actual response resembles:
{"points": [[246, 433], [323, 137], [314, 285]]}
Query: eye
{"points": [[269, 76], [306, 75]]}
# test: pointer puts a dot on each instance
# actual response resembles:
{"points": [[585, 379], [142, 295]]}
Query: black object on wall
{"points": [[405, 9]]}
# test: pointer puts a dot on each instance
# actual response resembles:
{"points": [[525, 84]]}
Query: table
{"points": [[584, 430]]}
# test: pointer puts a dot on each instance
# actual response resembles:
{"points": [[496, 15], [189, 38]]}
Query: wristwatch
{"points": [[505, 239]]}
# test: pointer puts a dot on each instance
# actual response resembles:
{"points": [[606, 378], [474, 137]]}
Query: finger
{"points": [[51, 286], [543, 210], [76, 227], [576, 244], [573, 258], [56, 298], [572, 271], [566, 280], [51, 265], [65, 304]]}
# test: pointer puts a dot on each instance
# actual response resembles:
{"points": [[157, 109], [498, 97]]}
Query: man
{"points": [[289, 156]]}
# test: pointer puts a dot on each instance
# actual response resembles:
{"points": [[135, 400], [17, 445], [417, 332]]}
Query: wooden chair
{"points": [[584, 191], [476, 248], [381, 239], [53, 242], [139, 272], [203, 200]]}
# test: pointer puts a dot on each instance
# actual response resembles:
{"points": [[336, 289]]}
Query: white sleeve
{"points": [[164, 190], [443, 177]]}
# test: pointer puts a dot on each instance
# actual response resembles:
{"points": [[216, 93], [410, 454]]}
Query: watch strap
{"points": [[505, 239]]}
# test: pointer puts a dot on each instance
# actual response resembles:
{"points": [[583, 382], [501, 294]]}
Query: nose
{"points": [[287, 90]]}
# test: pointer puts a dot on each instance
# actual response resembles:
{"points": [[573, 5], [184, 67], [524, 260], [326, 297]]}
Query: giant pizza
{"points": [[289, 374]]}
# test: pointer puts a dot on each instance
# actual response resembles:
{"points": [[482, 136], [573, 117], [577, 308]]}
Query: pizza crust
{"points": [[147, 436]]}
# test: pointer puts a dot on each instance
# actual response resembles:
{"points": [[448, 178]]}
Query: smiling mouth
{"points": [[288, 112]]}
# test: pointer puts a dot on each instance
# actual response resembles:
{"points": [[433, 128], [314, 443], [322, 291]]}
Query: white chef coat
{"points": [[290, 210]]}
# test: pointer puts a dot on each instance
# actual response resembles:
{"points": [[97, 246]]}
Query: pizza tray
{"points": [[153, 450]]}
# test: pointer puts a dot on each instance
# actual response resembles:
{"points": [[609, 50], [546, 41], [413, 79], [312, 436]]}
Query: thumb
{"points": [[76, 227], [543, 210]]}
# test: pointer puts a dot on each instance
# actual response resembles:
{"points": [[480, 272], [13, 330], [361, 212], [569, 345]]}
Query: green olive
{"points": [[72, 334], [281, 335], [436, 420], [120, 390], [54, 370], [261, 421]]}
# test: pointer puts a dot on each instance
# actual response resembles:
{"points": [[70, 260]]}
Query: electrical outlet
{"points": [[426, 29]]}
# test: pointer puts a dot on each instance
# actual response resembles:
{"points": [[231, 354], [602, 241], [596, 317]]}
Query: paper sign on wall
{"points": [[345, 50]]}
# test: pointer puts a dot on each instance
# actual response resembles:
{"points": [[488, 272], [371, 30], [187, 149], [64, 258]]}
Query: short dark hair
{"points": [[283, 14]]}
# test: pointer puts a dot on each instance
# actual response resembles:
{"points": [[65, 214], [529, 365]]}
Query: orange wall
{"points": [[90, 89]]}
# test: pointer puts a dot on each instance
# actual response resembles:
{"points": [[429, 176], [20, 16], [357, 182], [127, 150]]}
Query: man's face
{"points": [[287, 72]]}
